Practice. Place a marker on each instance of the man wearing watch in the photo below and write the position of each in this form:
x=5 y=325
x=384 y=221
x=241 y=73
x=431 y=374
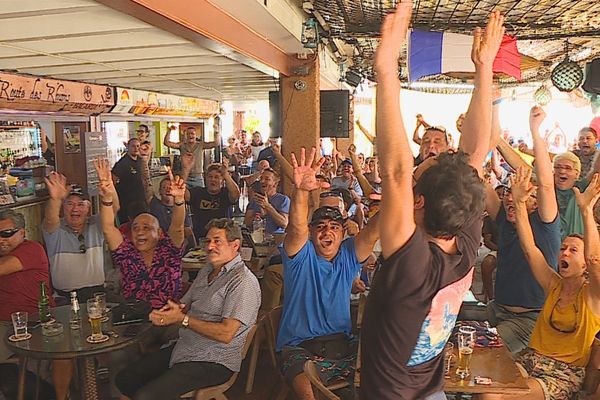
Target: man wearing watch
x=150 y=263
x=214 y=316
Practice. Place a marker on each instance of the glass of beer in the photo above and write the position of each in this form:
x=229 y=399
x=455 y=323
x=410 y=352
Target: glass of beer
x=466 y=344
x=94 y=309
x=101 y=299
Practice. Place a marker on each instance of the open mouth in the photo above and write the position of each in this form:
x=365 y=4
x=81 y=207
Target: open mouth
x=562 y=179
x=563 y=264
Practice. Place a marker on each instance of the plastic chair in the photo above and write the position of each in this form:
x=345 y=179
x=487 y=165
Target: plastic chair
x=262 y=333
x=320 y=391
x=218 y=392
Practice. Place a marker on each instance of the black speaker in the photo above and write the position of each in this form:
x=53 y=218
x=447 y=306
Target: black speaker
x=592 y=77
x=334 y=111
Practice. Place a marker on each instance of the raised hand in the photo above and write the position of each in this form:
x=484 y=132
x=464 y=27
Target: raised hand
x=521 y=185
x=224 y=168
x=187 y=161
x=352 y=150
x=393 y=36
x=305 y=173
x=57 y=186
x=105 y=183
x=486 y=44
x=276 y=148
x=177 y=187
x=590 y=196
x=537 y=115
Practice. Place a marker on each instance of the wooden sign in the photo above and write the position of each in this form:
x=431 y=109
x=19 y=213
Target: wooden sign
x=31 y=93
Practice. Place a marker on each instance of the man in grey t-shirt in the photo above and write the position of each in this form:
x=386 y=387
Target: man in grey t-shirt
x=214 y=316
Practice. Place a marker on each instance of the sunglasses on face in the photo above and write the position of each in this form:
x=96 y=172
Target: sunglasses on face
x=82 y=248
x=5 y=234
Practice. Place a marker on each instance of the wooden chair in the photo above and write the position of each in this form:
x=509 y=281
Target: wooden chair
x=218 y=392
x=262 y=334
x=320 y=391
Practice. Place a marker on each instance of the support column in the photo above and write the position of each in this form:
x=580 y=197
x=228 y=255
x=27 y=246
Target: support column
x=300 y=116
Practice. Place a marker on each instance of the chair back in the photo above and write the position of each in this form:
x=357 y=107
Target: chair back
x=320 y=391
x=273 y=318
x=249 y=339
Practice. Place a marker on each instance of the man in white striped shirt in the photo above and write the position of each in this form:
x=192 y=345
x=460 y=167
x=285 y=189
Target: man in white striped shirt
x=214 y=316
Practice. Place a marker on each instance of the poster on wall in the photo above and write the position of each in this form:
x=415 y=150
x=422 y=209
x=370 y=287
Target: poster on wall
x=95 y=148
x=72 y=139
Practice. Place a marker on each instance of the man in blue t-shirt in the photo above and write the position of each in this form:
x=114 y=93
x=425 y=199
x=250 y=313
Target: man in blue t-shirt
x=319 y=267
x=519 y=297
x=270 y=205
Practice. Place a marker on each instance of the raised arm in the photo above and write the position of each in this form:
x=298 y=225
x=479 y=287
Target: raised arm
x=477 y=125
x=233 y=191
x=366 y=238
x=521 y=190
x=58 y=191
x=394 y=151
x=365 y=132
x=107 y=193
x=591 y=238
x=305 y=180
x=546 y=196
x=286 y=167
x=360 y=176
x=510 y=155
x=167 y=142
x=176 y=229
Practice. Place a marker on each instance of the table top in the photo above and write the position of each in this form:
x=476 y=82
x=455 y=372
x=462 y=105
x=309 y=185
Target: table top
x=72 y=343
x=495 y=363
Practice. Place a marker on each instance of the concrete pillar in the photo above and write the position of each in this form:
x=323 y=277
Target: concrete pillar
x=299 y=107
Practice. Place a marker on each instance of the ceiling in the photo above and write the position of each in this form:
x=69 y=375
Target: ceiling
x=85 y=41
x=543 y=27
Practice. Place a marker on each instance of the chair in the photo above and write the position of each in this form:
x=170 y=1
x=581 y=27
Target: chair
x=319 y=389
x=218 y=392
x=262 y=333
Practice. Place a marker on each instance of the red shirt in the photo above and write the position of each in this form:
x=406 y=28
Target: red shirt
x=20 y=291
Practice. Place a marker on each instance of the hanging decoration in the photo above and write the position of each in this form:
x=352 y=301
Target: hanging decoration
x=542 y=96
x=567 y=75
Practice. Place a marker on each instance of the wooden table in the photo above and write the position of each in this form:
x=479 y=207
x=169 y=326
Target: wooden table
x=71 y=344
x=495 y=363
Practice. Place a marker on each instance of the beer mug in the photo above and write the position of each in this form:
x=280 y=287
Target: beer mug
x=95 y=309
x=466 y=344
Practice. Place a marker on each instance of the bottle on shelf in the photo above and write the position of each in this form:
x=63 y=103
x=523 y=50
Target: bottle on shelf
x=44 y=305
x=75 y=320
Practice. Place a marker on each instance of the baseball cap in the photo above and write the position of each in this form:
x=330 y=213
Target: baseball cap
x=327 y=212
x=347 y=161
x=78 y=191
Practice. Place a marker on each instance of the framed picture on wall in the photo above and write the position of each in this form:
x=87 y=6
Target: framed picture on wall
x=72 y=139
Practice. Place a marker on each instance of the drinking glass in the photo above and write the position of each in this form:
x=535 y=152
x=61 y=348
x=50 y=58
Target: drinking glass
x=448 y=354
x=101 y=299
x=94 y=310
x=19 y=320
x=466 y=344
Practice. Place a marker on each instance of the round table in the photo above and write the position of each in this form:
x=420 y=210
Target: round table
x=72 y=344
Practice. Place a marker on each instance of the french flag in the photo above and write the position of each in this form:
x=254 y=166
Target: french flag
x=432 y=53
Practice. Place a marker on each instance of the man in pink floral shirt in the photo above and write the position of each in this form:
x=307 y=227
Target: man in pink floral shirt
x=150 y=262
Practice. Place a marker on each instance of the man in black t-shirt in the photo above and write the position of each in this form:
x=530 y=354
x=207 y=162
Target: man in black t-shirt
x=213 y=201
x=127 y=177
x=429 y=232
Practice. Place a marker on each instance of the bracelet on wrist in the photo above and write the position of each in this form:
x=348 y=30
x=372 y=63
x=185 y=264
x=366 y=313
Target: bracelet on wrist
x=106 y=203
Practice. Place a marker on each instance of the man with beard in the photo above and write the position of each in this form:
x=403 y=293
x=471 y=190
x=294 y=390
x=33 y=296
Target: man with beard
x=319 y=268
x=587 y=141
x=518 y=296
x=75 y=243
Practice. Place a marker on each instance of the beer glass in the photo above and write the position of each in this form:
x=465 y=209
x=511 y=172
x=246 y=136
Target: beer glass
x=466 y=344
x=94 y=310
x=19 y=320
x=101 y=299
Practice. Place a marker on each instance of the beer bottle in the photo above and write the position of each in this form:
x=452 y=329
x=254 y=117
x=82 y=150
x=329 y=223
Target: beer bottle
x=75 y=320
x=44 y=304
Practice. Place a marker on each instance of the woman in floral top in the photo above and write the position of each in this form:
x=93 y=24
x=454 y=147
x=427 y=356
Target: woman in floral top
x=150 y=262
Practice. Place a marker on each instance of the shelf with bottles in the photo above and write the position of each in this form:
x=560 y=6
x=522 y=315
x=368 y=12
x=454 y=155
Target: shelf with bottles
x=19 y=141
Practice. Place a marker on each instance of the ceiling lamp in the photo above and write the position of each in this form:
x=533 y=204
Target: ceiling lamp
x=542 y=96
x=310 y=34
x=567 y=75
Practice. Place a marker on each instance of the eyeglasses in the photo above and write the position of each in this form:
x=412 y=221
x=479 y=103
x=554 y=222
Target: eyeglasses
x=553 y=326
x=5 y=234
x=82 y=248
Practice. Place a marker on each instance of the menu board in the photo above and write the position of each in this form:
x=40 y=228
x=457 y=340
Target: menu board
x=95 y=146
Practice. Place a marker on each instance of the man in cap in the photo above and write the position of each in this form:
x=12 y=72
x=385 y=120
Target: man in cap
x=75 y=243
x=346 y=179
x=319 y=268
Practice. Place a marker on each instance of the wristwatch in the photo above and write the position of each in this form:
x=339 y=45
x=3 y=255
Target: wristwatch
x=186 y=321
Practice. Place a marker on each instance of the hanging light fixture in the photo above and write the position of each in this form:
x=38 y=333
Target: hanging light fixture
x=310 y=34
x=567 y=75
x=542 y=96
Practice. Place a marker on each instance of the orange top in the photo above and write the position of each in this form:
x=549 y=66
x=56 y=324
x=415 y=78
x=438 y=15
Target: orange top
x=565 y=334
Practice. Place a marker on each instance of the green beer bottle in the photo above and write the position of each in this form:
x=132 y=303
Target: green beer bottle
x=44 y=304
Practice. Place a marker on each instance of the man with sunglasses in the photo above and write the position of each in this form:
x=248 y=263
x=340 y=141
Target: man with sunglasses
x=75 y=243
x=319 y=268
